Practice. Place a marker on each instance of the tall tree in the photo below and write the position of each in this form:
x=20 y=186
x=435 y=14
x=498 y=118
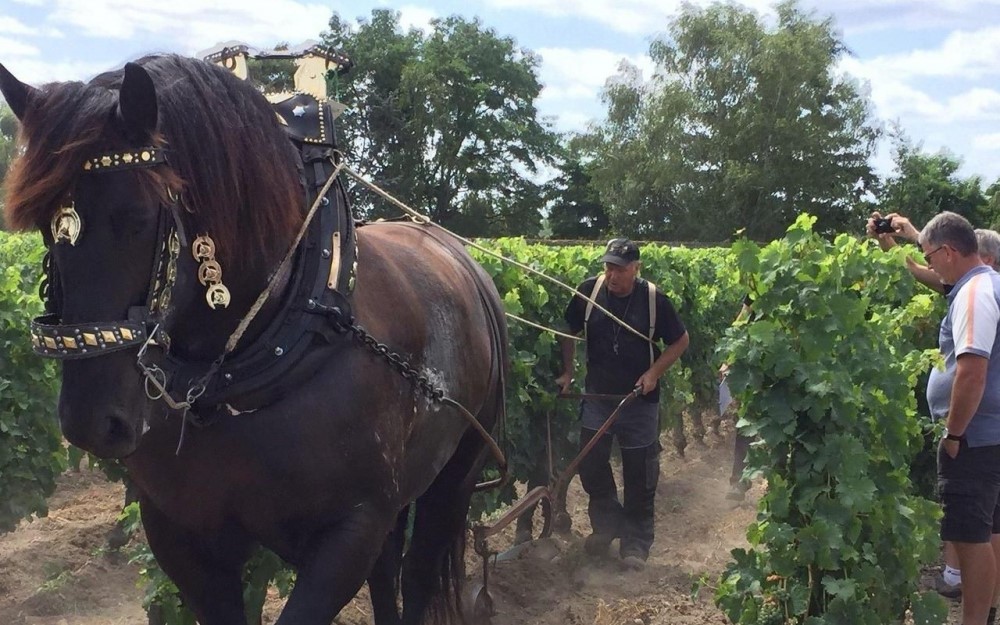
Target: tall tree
x=922 y=185
x=742 y=126
x=445 y=121
x=8 y=145
x=992 y=210
x=575 y=208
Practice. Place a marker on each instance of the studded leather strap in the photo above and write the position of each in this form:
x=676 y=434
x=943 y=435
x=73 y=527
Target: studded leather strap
x=83 y=340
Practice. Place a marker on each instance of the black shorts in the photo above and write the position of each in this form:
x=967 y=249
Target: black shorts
x=969 y=489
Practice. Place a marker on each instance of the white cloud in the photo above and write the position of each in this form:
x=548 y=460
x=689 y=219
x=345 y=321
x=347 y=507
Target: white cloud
x=868 y=16
x=581 y=72
x=193 y=23
x=572 y=120
x=411 y=16
x=573 y=78
x=15 y=48
x=633 y=17
x=13 y=26
x=36 y=71
x=963 y=54
x=988 y=142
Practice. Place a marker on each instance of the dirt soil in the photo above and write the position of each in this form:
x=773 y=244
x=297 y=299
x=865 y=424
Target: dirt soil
x=58 y=570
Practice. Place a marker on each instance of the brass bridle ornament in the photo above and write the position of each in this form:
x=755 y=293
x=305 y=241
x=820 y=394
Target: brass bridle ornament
x=53 y=339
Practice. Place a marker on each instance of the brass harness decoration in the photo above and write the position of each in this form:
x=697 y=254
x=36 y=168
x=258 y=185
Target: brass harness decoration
x=116 y=161
x=66 y=225
x=210 y=272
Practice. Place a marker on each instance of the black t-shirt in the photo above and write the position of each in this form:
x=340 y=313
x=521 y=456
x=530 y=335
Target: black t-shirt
x=616 y=373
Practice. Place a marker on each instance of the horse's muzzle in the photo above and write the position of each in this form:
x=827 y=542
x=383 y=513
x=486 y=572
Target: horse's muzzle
x=111 y=435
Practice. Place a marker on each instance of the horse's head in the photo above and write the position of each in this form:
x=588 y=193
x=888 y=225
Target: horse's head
x=162 y=192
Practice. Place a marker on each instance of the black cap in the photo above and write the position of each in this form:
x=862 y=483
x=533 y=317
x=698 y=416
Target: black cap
x=620 y=252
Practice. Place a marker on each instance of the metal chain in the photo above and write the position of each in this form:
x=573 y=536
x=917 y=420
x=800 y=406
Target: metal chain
x=397 y=362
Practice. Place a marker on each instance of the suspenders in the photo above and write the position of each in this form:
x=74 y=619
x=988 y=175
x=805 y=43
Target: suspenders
x=652 y=310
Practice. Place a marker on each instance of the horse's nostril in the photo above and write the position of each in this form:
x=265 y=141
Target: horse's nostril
x=118 y=429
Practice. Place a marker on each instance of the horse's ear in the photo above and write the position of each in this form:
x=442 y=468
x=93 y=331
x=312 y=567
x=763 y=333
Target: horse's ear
x=15 y=92
x=137 y=102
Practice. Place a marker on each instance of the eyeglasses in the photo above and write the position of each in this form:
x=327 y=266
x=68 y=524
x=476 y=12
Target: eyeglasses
x=927 y=256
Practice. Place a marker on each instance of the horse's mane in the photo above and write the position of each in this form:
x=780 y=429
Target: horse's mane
x=225 y=149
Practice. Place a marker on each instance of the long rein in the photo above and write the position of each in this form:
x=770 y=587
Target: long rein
x=423 y=219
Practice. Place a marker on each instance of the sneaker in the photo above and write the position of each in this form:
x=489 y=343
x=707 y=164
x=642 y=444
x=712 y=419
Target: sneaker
x=947 y=590
x=597 y=544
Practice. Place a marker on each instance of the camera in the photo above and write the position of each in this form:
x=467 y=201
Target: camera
x=883 y=226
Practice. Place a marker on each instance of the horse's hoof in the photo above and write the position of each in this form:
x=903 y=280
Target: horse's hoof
x=478 y=605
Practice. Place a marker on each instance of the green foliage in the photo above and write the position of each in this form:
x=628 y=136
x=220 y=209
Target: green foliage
x=8 y=147
x=446 y=120
x=743 y=125
x=263 y=570
x=273 y=75
x=31 y=450
x=699 y=282
x=924 y=184
x=576 y=211
x=824 y=379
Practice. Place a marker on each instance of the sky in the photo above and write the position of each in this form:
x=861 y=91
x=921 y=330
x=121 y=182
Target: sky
x=931 y=66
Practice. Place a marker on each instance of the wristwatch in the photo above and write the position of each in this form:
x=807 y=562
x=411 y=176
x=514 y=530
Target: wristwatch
x=948 y=436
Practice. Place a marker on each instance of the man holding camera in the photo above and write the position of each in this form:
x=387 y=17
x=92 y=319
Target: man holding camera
x=966 y=397
x=621 y=358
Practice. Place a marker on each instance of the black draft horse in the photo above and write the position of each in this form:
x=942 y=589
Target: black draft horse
x=324 y=475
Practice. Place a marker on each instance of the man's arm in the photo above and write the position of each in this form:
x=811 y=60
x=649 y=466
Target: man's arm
x=966 y=392
x=568 y=347
x=924 y=275
x=669 y=356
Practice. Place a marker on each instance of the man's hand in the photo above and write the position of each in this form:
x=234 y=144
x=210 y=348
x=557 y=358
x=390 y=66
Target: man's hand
x=950 y=447
x=885 y=240
x=564 y=381
x=903 y=227
x=646 y=382
x=723 y=371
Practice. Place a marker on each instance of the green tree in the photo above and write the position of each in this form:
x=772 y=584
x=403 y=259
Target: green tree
x=8 y=146
x=924 y=184
x=742 y=126
x=992 y=210
x=273 y=75
x=575 y=209
x=445 y=121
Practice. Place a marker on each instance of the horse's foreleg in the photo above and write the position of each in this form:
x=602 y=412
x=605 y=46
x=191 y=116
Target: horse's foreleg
x=383 y=581
x=333 y=565
x=207 y=572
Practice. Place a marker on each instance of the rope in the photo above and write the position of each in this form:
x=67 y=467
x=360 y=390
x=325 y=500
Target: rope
x=422 y=219
x=541 y=327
